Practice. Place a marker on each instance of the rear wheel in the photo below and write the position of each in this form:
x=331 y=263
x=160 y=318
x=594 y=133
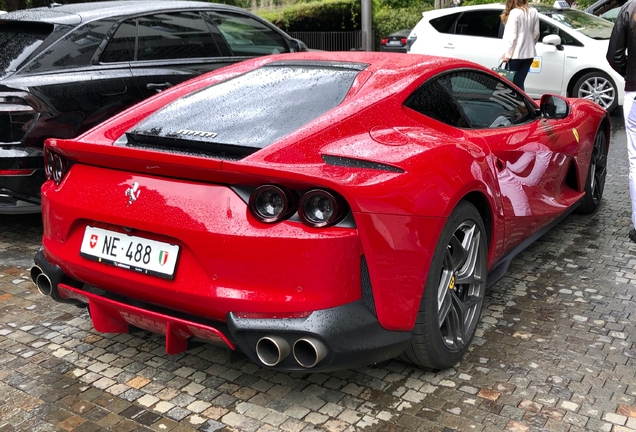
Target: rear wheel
x=595 y=183
x=599 y=88
x=454 y=292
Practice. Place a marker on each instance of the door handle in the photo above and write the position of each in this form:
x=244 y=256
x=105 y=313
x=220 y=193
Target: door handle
x=158 y=87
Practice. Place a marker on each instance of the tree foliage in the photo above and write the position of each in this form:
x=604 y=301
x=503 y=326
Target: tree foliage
x=330 y=15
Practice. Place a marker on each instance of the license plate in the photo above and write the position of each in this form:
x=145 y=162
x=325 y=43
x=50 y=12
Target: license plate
x=130 y=252
x=394 y=43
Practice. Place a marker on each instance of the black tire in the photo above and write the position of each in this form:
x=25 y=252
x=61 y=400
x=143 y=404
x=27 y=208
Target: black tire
x=598 y=87
x=454 y=289
x=595 y=183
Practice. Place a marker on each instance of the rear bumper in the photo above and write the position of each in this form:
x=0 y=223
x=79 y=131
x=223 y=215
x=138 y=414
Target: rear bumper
x=347 y=336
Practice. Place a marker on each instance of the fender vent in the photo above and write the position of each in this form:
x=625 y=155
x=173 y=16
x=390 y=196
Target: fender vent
x=365 y=283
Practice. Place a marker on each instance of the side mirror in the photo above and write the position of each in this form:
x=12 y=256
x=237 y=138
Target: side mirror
x=298 y=46
x=554 y=107
x=552 y=39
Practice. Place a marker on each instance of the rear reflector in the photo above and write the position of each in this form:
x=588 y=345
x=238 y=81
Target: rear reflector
x=16 y=172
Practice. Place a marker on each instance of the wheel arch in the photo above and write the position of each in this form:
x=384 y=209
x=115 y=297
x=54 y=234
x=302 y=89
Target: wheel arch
x=579 y=74
x=482 y=205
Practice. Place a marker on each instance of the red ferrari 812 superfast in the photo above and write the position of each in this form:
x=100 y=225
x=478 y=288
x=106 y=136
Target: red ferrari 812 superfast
x=316 y=210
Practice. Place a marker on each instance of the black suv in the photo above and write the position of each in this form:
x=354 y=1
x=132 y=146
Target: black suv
x=64 y=69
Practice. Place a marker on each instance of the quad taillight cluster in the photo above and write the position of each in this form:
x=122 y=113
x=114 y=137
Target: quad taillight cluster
x=55 y=166
x=317 y=207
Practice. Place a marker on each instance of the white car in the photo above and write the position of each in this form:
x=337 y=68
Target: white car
x=570 y=57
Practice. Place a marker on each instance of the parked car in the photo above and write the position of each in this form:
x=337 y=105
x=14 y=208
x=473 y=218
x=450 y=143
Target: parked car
x=318 y=210
x=570 y=57
x=395 y=42
x=66 y=68
x=607 y=9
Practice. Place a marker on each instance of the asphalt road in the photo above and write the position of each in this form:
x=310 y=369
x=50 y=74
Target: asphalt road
x=555 y=351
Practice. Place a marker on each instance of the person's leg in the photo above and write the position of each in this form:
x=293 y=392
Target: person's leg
x=521 y=67
x=629 y=113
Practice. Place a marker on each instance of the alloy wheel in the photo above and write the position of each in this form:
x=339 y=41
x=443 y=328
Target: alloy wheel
x=462 y=286
x=598 y=168
x=599 y=90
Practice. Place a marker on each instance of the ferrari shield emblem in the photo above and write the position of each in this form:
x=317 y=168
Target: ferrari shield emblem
x=163 y=257
x=576 y=134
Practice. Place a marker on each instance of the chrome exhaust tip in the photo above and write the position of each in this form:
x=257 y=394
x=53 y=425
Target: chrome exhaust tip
x=44 y=284
x=309 y=352
x=35 y=272
x=271 y=350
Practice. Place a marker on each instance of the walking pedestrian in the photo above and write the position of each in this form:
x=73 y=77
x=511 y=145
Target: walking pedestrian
x=620 y=56
x=521 y=33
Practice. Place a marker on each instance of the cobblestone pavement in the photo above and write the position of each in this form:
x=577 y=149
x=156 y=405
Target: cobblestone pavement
x=555 y=351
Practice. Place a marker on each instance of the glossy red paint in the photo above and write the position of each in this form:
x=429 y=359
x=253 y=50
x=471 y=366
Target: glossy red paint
x=231 y=262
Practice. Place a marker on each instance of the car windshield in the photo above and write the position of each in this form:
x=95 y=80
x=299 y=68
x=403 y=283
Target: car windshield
x=590 y=25
x=18 y=41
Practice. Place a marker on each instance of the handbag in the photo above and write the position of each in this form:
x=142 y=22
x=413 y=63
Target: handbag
x=504 y=71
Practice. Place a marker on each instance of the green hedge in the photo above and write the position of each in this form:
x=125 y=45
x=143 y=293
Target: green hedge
x=329 y=15
x=387 y=20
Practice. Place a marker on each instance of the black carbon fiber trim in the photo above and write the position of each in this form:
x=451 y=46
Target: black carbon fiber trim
x=365 y=284
x=359 y=163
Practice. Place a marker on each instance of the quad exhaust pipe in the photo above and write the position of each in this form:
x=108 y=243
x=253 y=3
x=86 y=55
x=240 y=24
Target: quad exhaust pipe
x=271 y=350
x=47 y=277
x=41 y=281
x=308 y=352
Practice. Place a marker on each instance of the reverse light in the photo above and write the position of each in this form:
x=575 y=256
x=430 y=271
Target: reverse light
x=319 y=208
x=270 y=203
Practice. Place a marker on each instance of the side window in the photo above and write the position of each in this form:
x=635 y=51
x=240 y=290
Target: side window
x=121 y=47
x=77 y=48
x=435 y=101
x=487 y=101
x=546 y=29
x=483 y=23
x=445 y=24
x=247 y=36
x=170 y=36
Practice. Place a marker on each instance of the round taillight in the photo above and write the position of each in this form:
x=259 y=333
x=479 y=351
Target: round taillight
x=270 y=204
x=48 y=164
x=58 y=168
x=319 y=208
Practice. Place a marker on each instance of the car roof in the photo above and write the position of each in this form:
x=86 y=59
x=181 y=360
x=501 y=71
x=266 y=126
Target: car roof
x=411 y=65
x=77 y=13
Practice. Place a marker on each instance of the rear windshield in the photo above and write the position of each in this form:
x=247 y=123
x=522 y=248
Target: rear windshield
x=250 y=111
x=18 y=40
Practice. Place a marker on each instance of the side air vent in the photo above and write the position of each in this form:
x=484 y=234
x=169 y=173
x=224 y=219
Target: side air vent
x=358 y=163
x=185 y=146
x=365 y=283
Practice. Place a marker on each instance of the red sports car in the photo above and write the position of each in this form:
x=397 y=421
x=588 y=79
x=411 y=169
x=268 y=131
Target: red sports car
x=316 y=211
